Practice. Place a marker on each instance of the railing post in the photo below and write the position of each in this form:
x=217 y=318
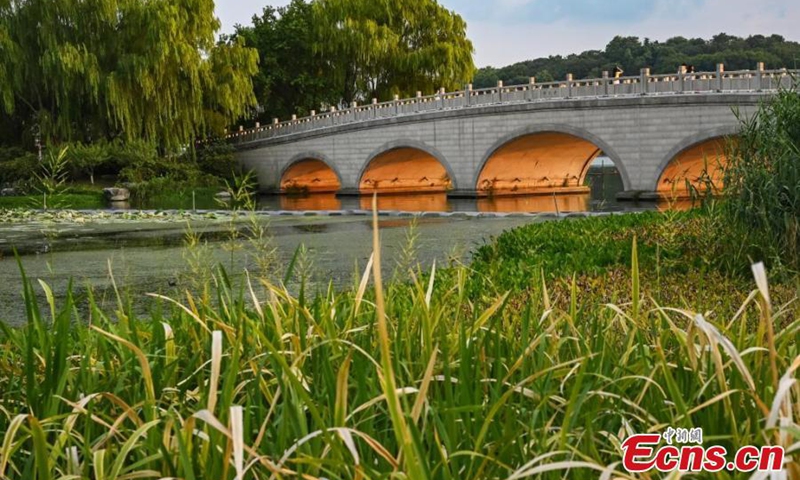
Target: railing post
x=531 y=87
x=644 y=81
x=374 y=108
x=569 y=85
x=759 y=76
x=720 y=76
x=442 y=92
x=682 y=78
x=397 y=105
x=332 y=112
x=499 y=91
x=468 y=95
x=606 y=76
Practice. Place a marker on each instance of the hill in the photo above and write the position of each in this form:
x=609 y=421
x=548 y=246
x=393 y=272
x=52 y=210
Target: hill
x=632 y=54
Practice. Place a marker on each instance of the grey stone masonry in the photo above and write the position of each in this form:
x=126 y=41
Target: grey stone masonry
x=640 y=122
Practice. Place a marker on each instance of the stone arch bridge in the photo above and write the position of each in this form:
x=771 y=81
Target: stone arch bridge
x=660 y=131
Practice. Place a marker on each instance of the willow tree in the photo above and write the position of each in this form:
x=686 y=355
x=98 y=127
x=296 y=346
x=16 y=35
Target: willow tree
x=135 y=69
x=382 y=48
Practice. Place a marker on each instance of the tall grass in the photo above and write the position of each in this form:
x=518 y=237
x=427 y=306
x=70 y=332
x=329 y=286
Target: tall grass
x=413 y=379
x=762 y=181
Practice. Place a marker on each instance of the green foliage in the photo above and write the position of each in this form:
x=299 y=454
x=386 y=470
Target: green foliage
x=292 y=77
x=131 y=69
x=333 y=52
x=53 y=172
x=676 y=243
x=17 y=167
x=87 y=158
x=378 y=49
x=762 y=181
x=632 y=54
x=217 y=158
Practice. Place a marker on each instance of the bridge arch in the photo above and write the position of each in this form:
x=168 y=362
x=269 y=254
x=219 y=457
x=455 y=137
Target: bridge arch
x=686 y=160
x=555 y=133
x=433 y=172
x=310 y=172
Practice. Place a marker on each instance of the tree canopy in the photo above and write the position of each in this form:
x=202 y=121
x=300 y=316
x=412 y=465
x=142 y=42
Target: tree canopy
x=292 y=77
x=133 y=69
x=632 y=54
x=331 y=52
x=379 y=49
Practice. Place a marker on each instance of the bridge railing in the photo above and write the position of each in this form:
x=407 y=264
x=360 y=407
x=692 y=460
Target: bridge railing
x=681 y=83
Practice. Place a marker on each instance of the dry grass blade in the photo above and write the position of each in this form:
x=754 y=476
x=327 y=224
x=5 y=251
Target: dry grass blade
x=760 y=275
x=416 y=411
x=362 y=286
x=716 y=337
x=8 y=442
x=237 y=437
x=216 y=365
x=429 y=292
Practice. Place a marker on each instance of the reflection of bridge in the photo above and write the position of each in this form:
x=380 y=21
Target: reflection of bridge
x=660 y=130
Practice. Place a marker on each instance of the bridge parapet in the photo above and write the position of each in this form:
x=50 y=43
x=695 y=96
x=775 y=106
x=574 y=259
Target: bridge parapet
x=644 y=84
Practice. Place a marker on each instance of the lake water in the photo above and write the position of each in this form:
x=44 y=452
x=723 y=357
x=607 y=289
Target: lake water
x=150 y=255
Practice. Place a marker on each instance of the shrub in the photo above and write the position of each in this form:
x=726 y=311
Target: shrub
x=217 y=158
x=17 y=167
x=91 y=157
x=762 y=181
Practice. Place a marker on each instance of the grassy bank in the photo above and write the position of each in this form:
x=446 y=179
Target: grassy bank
x=77 y=201
x=508 y=369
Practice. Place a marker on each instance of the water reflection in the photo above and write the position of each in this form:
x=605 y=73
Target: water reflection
x=603 y=180
x=423 y=202
x=575 y=202
x=313 y=201
x=439 y=202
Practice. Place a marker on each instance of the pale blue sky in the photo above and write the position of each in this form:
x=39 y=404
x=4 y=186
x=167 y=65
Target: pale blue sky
x=507 y=31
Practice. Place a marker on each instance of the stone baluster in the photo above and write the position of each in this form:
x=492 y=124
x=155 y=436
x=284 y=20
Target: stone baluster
x=759 y=76
x=500 y=91
x=397 y=104
x=720 y=77
x=606 y=76
x=644 y=81
x=468 y=95
x=531 y=88
x=569 y=85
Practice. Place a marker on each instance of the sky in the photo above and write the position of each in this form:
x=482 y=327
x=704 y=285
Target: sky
x=509 y=31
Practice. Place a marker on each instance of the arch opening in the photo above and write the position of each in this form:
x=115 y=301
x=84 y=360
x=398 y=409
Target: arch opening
x=538 y=163
x=405 y=170
x=310 y=175
x=699 y=168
